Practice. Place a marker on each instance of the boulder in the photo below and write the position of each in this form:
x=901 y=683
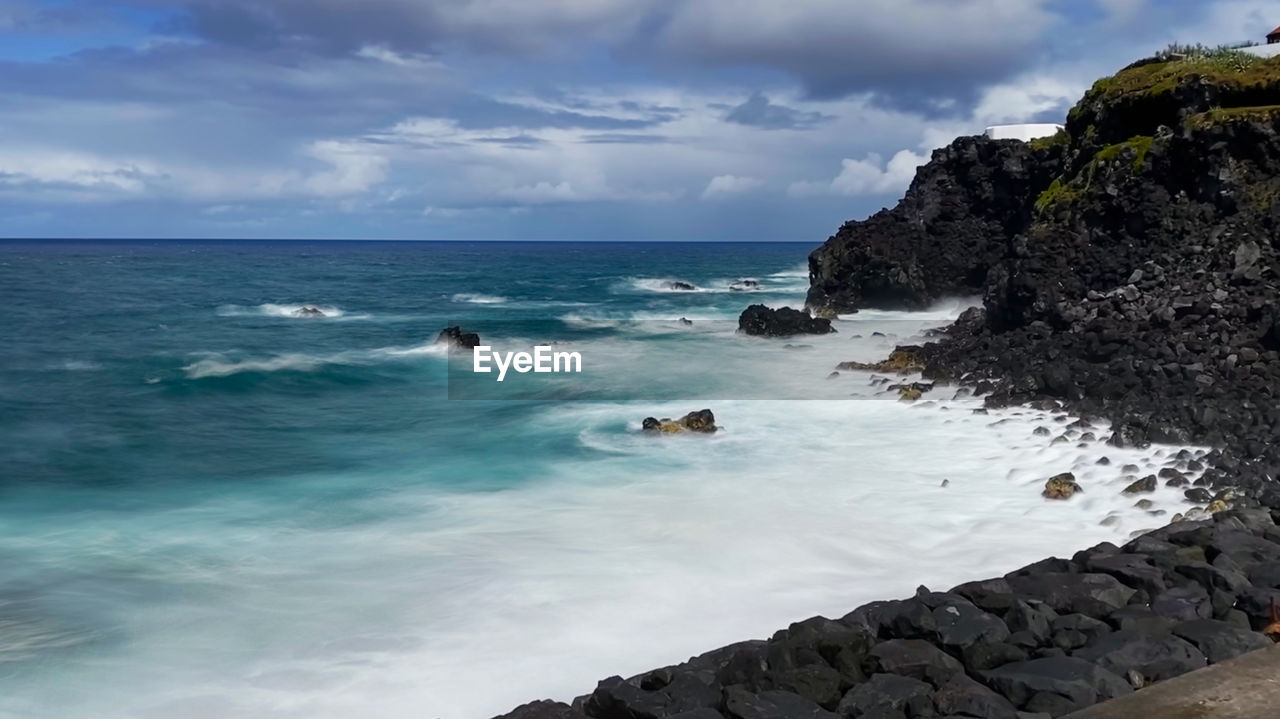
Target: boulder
x=913 y=658
x=961 y=625
x=701 y=422
x=1220 y=641
x=679 y=286
x=1152 y=659
x=761 y=321
x=656 y=695
x=1183 y=603
x=1057 y=685
x=742 y=704
x=1142 y=486
x=1090 y=594
x=455 y=337
x=963 y=696
x=1061 y=486
x=545 y=709
x=888 y=695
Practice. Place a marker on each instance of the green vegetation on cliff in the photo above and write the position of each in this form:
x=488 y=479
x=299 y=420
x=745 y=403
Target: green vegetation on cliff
x=1230 y=70
x=1140 y=145
x=1185 y=89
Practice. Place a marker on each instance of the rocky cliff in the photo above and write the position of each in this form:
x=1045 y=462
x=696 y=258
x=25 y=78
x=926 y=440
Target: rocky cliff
x=1127 y=266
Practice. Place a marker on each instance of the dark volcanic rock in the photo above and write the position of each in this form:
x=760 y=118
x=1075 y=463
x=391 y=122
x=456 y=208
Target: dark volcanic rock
x=742 y=704
x=762 y=321
x=913 y=658
x=455 y=337
x=1151 y=658
x=1127 y=267
x=961 y=625
x=544 y=710
x=652 y=697
x=1093 y=594
x=941 y=240
x=1220 y=641
x=1056 y=685
x=887 y=694
x=963 y=696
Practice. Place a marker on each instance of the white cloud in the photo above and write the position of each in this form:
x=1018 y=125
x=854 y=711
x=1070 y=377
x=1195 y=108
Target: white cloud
x=354 y=169
x=870 y=176
x=725 y=185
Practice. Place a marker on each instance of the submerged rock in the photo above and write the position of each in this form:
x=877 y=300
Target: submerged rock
x=679 y=286
x=761 y=321
x=903 y=360
x=455 y=337
x=702 y=421
x=1061 y=486
x=744 y=285
x=309 y=311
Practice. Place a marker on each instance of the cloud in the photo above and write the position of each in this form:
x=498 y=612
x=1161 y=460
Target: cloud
x=903 y=50
x=758 y=111
x=726 y=185
x=896 y=48
x=871 y=176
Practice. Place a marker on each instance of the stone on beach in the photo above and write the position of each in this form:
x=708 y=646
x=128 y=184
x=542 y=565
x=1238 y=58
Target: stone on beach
x=1061 y=486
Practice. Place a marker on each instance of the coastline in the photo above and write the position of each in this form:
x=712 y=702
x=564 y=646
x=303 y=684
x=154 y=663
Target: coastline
x=1128 y=272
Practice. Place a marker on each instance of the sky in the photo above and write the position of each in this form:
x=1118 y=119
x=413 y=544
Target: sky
x=529 y=119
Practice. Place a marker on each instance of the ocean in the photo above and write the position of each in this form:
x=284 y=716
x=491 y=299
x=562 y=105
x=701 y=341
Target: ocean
x=214 y=508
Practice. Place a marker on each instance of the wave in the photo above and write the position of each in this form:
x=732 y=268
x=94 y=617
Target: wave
x=663 y=285
x=779 y=283
x=291 y=311
x=478 y=299
x=79 y=366
x=220 y=365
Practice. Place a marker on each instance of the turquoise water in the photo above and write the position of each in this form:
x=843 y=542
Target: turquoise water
x=214 y=508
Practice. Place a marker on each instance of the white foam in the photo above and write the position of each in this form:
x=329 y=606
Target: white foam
x=478 y=299
x=222 y=365
x=635 y=553
x=290 y=311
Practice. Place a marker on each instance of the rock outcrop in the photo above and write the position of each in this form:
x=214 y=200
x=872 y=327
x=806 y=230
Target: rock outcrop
x=702 y=422
x=455 y=337
x=1128 y=266
x=763 y=321
x=309 y=311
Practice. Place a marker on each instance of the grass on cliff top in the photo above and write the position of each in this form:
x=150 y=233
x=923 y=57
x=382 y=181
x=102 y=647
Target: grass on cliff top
x=1221 y=115
x=1163 y=72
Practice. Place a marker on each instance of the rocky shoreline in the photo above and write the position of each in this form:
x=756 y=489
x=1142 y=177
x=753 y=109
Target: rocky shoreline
x=1128 y=270
x=1042 y=641
x=1127 y=266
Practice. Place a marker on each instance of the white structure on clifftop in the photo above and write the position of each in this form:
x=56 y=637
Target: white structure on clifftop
x=1026 y=133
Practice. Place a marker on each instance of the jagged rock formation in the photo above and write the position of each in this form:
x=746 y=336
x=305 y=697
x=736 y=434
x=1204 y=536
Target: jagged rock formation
x=1127 y=266
x=763 y=321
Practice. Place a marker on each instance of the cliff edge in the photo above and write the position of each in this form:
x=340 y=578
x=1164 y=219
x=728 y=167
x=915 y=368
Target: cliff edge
x=1127 y=265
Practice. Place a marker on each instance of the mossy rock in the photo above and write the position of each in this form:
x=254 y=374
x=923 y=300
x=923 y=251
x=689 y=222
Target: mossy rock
x=902 y=360
x=702 y=422
x=1061 y=486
